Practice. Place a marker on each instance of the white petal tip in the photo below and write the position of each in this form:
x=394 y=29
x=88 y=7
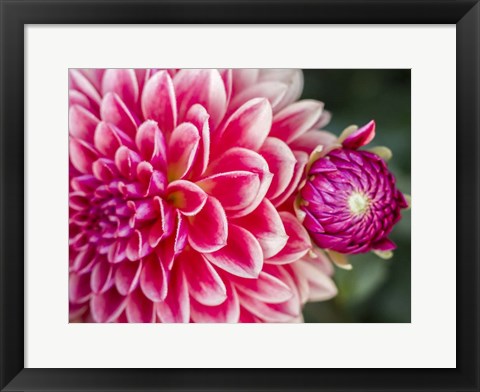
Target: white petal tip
x=383 y=152
x=340 y=260
x=346 y=133
x=385 y=255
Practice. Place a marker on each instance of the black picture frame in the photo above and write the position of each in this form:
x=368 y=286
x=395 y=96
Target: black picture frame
x=15 y=14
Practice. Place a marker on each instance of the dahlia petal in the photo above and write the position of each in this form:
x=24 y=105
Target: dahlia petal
x=107 y=306
x=127 y=161
x=311 y=223
x=166 y=252
x=176 y=306
x=281 y=163
x=292 y=77
x=94 y=76
x=159 y=102
x=321 y=286
x=164 y=225
x=243 y=78
x=75 y=97
x=327 y=241
x=204 y=283
x=153 y=181
x=360 y=137
x=271 y=313
x=266 y=288
x=298 y=243
x=142 y=75
x=323 y=120
x=267 y=227
x=247 y=317
x=181 y=234
x=79 y=287
x=203 y=86
x=384 y=245
x=102 y=277
x=78 y=201
x=208 y=230
x=76 y=312
x=385 y=255
x=83 y=260
x=241 y=159
x=139 y=308
x=298 y=171
x=138 y=246
x=296 y=119
x=227 y=77
x=312 y=139
x=79 y=82
x=383 y=152
x=227 y=312
x=114 y=110
x=82 y=123
x=123 y=82
x=321 y=261
x=153 y=279
x=86 y=183
x=108 y=139
x=242 y=255
x=104 y=169
x=340 y=260
x=82 y=155
x=248 y=126
x=235 y=190
x=188 y=197
x=142 y=210
x=117 y=251
x=151 y=144
x=127 y=276
x=198 y=116
x=301 y=283
x=182 y=149
x=322 y=166
x=274 y=91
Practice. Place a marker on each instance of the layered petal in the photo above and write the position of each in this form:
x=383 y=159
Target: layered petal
x=248 y=127
x=204 y=283
x=153 y=279
x=188 y=197
x=241 y=256
x=82 y=123
x=82 y=155
x=266 y=225
x=114 y=110
x=182 y=150
x=296 y=119
x=107 y=306
x=139 y=308
x=159 y=101
x=281 y=162
x=208 y=230
x=123 y=82
x=202 y=86
x=176 y=306
x=235 y=190
x=227 y=312
x=298 y=243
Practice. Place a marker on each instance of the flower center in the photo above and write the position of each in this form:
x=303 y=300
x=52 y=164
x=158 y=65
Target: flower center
x=358 y=203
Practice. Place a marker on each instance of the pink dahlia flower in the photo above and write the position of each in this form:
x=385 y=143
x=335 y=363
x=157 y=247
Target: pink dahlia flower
x=181 y=189
x=349 y=202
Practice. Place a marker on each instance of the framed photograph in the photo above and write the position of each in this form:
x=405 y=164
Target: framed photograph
x=239 y=195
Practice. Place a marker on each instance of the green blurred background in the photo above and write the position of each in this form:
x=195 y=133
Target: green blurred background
x=375 y=290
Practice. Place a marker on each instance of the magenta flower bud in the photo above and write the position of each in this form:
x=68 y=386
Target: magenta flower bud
x=350 y=201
